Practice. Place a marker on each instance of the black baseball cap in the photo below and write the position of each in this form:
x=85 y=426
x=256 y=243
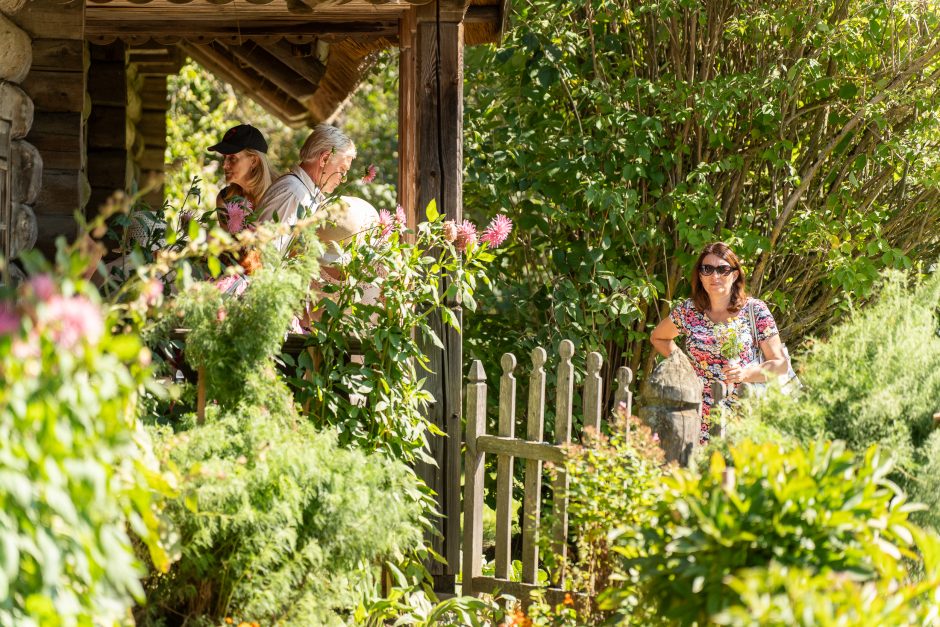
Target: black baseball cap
x=239 y=138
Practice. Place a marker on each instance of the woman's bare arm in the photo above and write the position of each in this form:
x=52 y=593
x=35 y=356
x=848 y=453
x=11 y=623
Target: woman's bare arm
x=663 y=335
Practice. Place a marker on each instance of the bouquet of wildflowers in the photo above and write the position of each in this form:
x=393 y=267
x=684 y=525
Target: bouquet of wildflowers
x=731 y=344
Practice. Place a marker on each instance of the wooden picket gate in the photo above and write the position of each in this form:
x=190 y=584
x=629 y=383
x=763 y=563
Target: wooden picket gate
x=535 y=452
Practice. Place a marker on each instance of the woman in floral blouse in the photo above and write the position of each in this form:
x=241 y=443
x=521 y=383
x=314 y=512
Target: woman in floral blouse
x=718 y=310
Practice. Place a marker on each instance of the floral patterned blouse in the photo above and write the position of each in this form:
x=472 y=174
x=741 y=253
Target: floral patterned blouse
x=704 y=348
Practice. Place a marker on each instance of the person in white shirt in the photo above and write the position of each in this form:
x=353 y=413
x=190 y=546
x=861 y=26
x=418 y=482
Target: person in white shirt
x=325 y=159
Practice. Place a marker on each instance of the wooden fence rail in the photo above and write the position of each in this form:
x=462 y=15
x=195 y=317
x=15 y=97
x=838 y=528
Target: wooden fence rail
x=534 y=451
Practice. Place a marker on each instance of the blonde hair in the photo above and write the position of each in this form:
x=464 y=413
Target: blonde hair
x=260 y=176
x=326 y=138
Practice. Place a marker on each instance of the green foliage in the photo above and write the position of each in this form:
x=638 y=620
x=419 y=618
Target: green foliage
x=621 y=136
x=230 y=338
x=78 y=481
x=278 y=524
x=875 y=381
x=380 y=403
x=612 y=482
x=820 y=509
x=792 y=596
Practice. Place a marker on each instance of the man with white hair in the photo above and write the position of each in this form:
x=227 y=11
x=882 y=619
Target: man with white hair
x=325 y=159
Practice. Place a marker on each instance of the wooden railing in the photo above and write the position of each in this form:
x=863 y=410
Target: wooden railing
x=534 y=451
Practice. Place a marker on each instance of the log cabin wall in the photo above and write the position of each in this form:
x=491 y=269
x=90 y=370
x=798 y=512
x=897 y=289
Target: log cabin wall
x=56 y=85
x=20 y=165
x=107 y=129
x=152 y=64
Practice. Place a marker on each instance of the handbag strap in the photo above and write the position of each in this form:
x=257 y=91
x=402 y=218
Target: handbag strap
x=758 y=353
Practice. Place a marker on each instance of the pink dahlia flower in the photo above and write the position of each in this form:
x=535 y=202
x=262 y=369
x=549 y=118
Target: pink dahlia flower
x=371 y=171
x=400 y=218
x=235 y=213
x=9 y=319
x=43 y=286
x=71 y=320
x=497 y=231
x=386 y=223
x=466 y=236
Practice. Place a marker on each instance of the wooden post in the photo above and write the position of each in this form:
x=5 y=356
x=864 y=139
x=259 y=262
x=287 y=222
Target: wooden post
x=201 y=395
x=504 y=464
x=593 y=392
x=473 y=479
x=564 y=393
x=532 y=503
x=625 y=396
x=438 y=127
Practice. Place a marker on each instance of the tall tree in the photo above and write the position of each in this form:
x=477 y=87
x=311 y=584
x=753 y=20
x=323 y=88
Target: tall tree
x=622 y=135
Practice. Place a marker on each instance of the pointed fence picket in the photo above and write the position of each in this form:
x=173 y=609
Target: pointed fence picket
x=534 y=451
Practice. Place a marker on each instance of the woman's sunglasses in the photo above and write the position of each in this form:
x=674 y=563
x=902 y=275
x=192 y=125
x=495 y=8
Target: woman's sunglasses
x=707 y=269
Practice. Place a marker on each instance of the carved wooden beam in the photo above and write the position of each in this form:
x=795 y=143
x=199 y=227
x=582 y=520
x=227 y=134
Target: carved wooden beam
x=271 y=68
x=262 y=91
x=307 y=66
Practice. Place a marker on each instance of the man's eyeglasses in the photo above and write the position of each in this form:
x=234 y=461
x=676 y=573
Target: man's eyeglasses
x=707 y=269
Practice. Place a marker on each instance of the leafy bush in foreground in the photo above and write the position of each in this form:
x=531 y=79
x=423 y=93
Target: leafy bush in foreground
x=876 y=380
x=76 y=476
x=278 y=523
x=820 y=509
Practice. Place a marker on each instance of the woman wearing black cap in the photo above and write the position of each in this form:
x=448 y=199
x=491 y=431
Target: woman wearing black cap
x=247 y=170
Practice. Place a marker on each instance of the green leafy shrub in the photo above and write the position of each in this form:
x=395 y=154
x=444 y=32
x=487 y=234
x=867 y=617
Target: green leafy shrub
x=380 y=403
x=278 y=524
x=820 y=508
x=791 y=596
x=875 y=380
x=77 y=479
x=613 y=482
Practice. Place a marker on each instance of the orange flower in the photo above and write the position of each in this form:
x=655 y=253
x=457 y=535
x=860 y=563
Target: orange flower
x=228 y=620
x=251 y=261
x=568 y=600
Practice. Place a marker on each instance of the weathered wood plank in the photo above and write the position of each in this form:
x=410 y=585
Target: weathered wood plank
x=62 y=55
x=106 y=128
x=522 y=449
x=407 y=119
x=473 y=478
x=272 y=69
x=593 y=392
x=623 y=397
x=504 y=465
x=442 y=126
x=564 y=393
x=523 y=591
x=52 y=19
x=531 y=507
x=308 y=66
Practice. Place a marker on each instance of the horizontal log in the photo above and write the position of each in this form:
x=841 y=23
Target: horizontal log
x=11 y=6
x=59 y=55
x=107 y=168
x=52 y=226
x=153 y=158
x=519 y=448
x=106 y=83
x=16 y=105
x=60 y=192
x=152 y=125
x=52 y=19
x=16 y=51
x=27 y=172
x=56 y=91
x=106 y=128
x=58 y=138
x=522 y=591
